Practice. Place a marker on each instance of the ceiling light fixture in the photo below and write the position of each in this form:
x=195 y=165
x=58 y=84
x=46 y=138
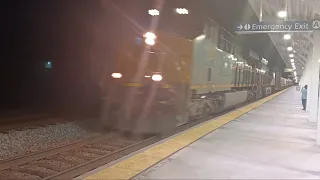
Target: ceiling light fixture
x=282 y=14
x=287 y=36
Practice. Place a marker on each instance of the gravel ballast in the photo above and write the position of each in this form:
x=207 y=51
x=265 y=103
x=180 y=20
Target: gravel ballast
x=17 y=143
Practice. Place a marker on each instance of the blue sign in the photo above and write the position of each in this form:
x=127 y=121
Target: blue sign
x=278 y=26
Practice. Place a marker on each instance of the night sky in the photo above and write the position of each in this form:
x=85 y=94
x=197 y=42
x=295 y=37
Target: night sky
x=79 y=37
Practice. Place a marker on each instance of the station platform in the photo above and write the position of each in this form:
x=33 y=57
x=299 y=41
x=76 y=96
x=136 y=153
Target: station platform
x=268 y=139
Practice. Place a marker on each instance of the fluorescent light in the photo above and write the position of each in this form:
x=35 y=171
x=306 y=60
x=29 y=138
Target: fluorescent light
x=291 y=55
x=289 y=48
x=182 y=11
x=282 y=14
x=292 y=60
x=153 y=12
x=287 y=36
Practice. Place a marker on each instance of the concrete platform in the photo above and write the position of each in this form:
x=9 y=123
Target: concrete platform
x=273 y=141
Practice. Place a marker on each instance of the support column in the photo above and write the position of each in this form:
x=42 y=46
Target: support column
x=316 y=57
x=308 y=79
x=303 y=80
x=314 y=89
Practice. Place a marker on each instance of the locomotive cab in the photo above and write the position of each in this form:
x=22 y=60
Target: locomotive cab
x=152 y=70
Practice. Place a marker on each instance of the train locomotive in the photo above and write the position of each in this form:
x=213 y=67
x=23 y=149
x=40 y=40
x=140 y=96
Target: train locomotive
x=162 y=80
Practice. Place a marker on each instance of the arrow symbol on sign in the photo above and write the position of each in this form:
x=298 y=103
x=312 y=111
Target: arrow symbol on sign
x=240 y=27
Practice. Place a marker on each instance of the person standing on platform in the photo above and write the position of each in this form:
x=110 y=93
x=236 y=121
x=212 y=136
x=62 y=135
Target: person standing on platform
x=304 y=92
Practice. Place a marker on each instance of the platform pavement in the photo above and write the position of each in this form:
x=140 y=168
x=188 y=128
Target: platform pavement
x=268 y=139
x=271 y=142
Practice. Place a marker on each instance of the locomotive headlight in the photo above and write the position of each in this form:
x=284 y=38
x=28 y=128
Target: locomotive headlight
x=116 y=75
x=156 y=77
x=150 y=35
x=150 y=38
x=150 y=42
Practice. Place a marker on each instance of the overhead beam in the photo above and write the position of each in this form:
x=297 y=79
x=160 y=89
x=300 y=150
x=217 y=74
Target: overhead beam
x=297 y=12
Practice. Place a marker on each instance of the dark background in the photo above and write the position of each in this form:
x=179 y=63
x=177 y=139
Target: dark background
x=80 y=38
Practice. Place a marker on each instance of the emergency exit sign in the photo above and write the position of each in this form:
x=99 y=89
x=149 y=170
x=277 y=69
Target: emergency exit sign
x=277 y=26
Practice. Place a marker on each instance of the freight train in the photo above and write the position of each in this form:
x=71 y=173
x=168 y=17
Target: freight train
x=162 y=80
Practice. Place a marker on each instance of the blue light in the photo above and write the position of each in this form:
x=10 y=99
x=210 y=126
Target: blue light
x=138 y=40
x=48 y=65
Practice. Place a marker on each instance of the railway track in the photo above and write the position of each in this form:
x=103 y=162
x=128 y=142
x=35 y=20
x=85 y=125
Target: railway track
x=69 y=161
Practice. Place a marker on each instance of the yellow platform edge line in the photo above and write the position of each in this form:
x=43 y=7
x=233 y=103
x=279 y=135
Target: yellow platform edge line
x=136 y=164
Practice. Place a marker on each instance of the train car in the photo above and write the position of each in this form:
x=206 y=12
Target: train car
x=285 y=83
x=221 y=80
x=162 y=80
